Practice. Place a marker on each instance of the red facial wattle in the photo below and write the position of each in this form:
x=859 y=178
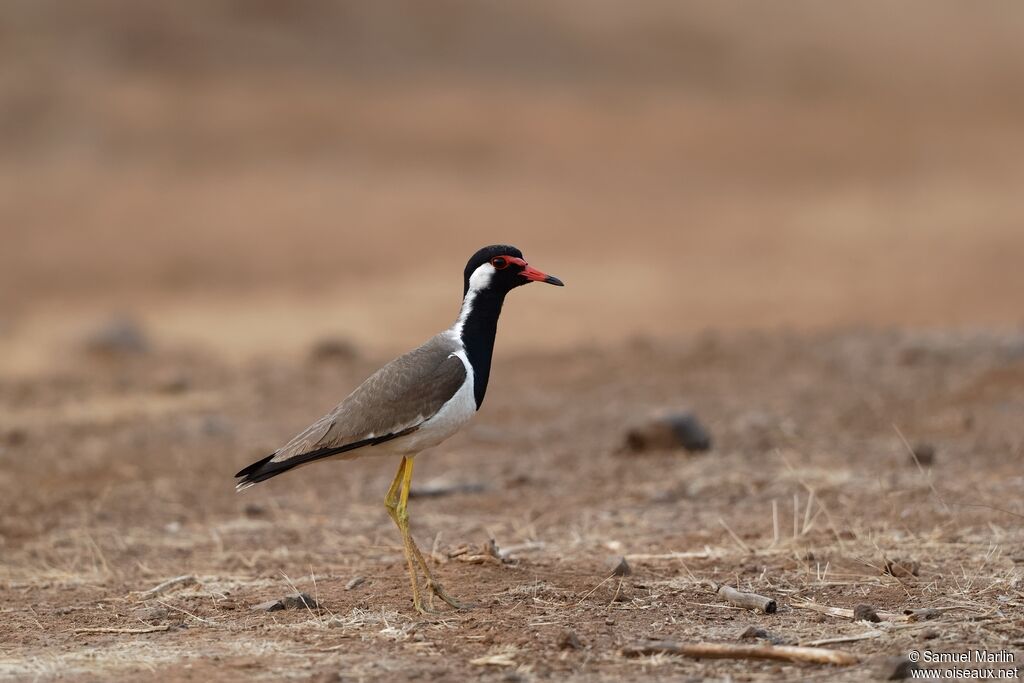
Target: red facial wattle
x=531 y=273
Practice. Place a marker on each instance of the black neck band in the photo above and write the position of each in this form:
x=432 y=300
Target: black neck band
x=479 y=328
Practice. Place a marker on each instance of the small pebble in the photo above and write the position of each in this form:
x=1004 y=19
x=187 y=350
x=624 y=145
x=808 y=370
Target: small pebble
x=754 y=633
x=15 y=436
x=895 y=668
x=293 y=601
x=924 y=453
x=117 y=337
x=333 y=349
x=253 y=510
x=668 y=431
x=923 y=614
x=758 y=633
x=300 y=601
x=173 y=383
x=269 y=606
x=866 y=613
x=568 y=640
x=902 y=569
x=690 y=432
x=150 y=613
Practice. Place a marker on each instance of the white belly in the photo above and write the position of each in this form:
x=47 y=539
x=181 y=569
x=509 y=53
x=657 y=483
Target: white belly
x=450 y=419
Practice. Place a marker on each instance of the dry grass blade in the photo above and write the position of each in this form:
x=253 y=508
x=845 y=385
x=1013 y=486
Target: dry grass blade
x=187 y=613
x=314 y=615
x=176 y=582
x=776 y=534
x=927 y=476
x=739 y=541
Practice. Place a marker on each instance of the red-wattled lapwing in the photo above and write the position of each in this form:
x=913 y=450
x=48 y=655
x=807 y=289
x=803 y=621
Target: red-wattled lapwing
x=417 y=400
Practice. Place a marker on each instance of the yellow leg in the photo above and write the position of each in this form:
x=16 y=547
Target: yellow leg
x=435 y=586
x=397 y=502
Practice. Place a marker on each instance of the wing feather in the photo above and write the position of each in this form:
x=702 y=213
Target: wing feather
x=392 y=402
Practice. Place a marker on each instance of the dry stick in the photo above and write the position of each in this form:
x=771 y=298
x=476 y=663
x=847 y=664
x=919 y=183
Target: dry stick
x=178 y=581
x=867 y=635
x=783 y=653
x=151 y=629
x=744 y=600
x=844 y=613
x=716 y=606
x=508 y=551
x=689 y=555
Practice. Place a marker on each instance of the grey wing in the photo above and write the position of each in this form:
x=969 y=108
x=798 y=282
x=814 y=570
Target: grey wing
x=395 y=400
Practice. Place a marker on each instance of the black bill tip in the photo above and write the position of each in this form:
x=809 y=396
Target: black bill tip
x=552 y=280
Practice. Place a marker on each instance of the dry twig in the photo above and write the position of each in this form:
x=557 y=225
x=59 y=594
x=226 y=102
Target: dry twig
x=744 y=600
x=783 y=653
x=843 y=612
x=151 y=629
x=867 y=635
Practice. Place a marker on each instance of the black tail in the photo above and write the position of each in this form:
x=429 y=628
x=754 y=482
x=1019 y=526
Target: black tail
x=250 y=473
x=264 y=469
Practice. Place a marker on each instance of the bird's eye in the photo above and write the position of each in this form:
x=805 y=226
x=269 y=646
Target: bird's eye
x=499 y=262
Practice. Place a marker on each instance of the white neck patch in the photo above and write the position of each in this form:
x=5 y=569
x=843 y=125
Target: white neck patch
x=479 y=280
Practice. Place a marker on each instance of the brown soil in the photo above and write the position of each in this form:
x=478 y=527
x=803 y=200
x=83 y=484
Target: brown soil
x=804 y=224
x=116 y=479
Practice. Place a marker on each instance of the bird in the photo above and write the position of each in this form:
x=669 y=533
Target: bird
x=416 y=401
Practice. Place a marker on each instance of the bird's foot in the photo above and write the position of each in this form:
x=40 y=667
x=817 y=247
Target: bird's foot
x=438 y=590
x=425 y=610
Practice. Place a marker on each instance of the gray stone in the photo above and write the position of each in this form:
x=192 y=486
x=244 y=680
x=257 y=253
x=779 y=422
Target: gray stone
x=117 y=337
x=667 y=431
x=866 y=613
x=619 y=566
x=568 y=640
x=293 y=601
x=269 y=606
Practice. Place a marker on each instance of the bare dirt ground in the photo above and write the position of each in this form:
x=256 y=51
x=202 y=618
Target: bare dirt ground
x=801 y=223
x=118 y=478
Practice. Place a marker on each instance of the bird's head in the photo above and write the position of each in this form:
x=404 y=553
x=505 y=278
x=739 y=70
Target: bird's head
x=501 y=268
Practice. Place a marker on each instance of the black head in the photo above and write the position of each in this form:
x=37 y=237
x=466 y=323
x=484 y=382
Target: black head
x=501 y=268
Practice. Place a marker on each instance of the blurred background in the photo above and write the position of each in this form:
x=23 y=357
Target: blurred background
x=797 y=225
x=253 y=175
